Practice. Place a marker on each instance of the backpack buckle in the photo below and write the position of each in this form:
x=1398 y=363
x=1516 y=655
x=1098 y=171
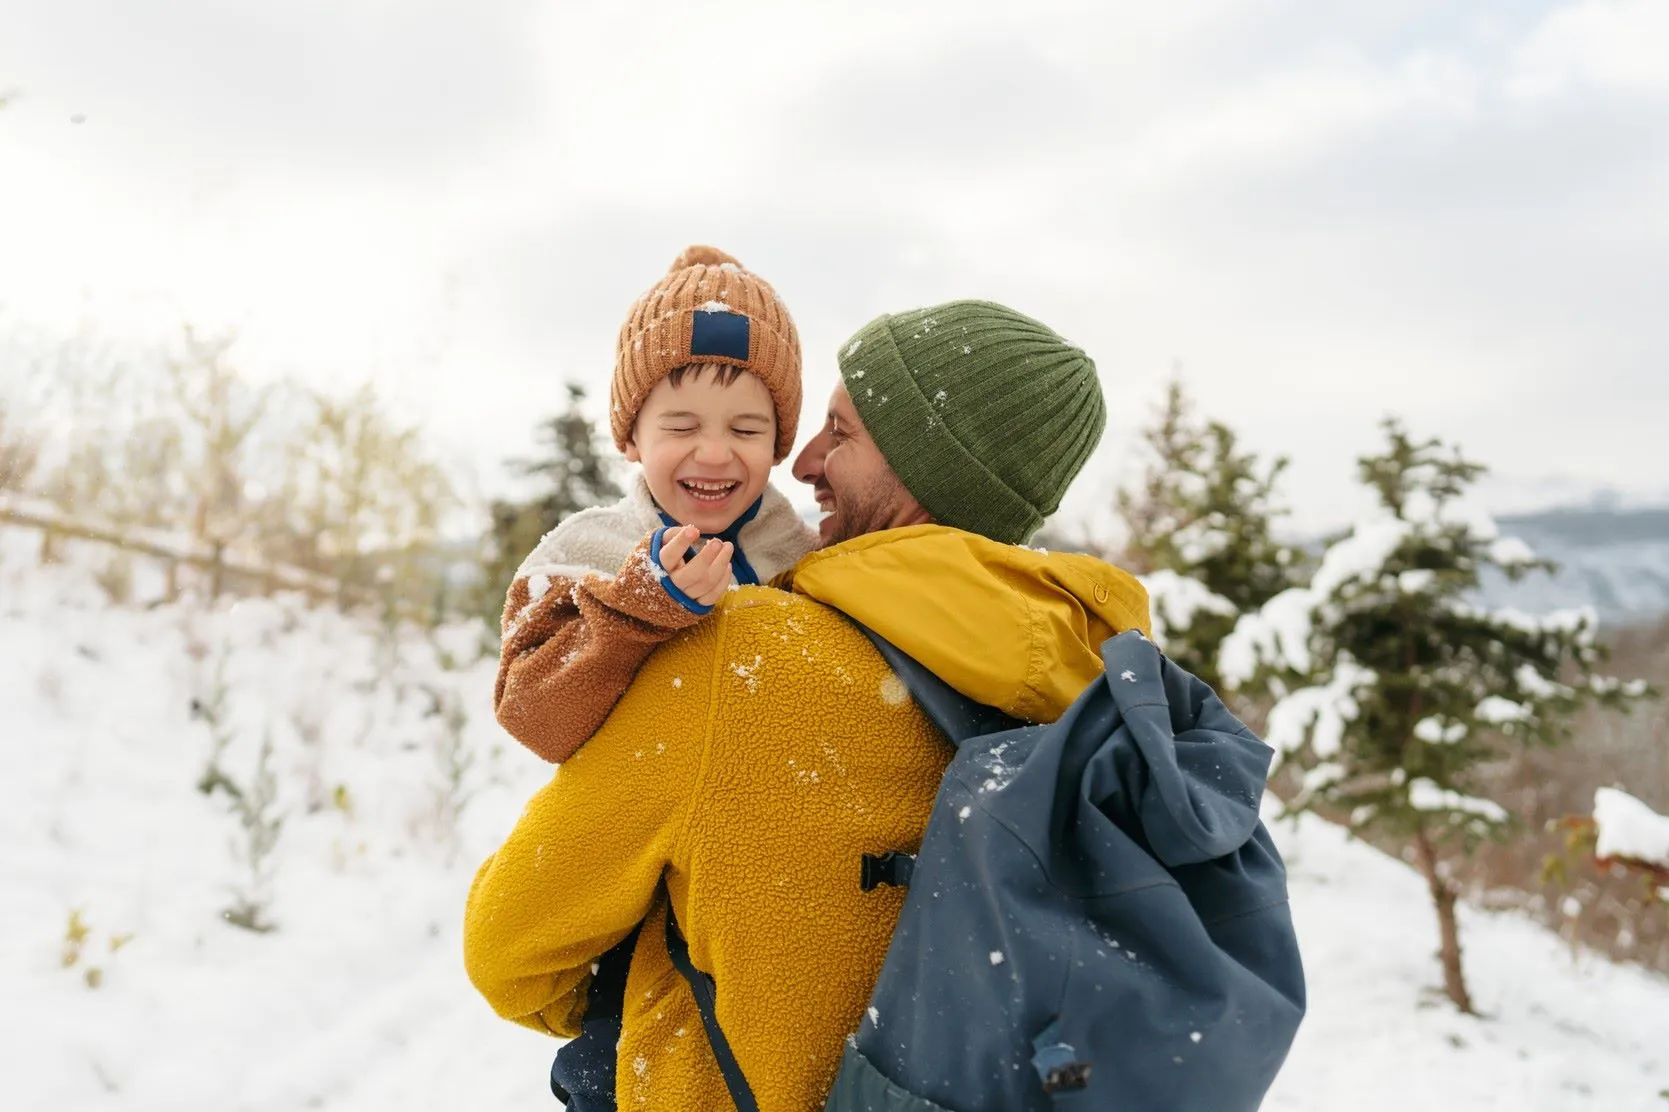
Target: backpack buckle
x=1057 y=1064
x=1067 y=1078
x=891 y=868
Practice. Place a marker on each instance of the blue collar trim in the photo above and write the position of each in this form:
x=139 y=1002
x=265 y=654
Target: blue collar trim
x=739 y=566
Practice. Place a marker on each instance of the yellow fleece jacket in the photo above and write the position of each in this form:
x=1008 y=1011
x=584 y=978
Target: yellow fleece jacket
x=753 y=762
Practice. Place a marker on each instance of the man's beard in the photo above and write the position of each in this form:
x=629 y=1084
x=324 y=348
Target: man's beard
x=869 y=510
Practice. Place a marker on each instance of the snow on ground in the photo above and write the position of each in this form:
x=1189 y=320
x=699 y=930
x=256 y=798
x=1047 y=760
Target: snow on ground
x=357 y=1000
x=1556 y=1033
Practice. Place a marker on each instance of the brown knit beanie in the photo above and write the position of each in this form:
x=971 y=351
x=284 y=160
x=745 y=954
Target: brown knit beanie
x=707 y=310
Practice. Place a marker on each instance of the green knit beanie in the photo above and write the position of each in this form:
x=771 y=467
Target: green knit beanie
x=983 y=413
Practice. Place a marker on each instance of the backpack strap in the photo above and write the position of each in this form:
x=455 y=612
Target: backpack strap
x=701 y=987
x=953 y=712
x=583 y=1072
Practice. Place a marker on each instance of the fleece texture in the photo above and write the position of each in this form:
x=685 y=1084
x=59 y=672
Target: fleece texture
x=590 y=603
x=755 y=759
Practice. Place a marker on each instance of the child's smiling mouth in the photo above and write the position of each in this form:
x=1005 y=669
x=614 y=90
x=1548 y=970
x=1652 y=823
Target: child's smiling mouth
x=706 y=490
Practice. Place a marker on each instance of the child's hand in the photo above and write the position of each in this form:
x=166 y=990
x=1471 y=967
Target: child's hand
x=706 y=576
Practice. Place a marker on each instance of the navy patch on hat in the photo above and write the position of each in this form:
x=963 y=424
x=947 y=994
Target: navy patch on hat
x=720 y=333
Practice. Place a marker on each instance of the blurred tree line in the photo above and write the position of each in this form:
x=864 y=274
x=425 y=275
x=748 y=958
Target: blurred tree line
x=179 y=448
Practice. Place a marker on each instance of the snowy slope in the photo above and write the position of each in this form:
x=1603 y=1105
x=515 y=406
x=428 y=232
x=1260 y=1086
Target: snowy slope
x=357 y=1000
x=1558 y=1033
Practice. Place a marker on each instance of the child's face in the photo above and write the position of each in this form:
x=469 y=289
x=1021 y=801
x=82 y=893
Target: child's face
x=706 y=448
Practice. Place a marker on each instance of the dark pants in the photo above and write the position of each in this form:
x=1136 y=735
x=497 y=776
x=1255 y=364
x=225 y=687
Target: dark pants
x=582 y=1077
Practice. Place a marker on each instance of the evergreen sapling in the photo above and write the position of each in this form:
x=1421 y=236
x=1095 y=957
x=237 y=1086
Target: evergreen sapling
x=1393 y=690
x=1201 y=532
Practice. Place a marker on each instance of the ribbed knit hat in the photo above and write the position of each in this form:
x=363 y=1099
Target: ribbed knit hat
x=707 y=309
x=984 y=414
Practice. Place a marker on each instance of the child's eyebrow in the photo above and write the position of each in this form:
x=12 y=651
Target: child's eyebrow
x=680 y=415
x=762 y=418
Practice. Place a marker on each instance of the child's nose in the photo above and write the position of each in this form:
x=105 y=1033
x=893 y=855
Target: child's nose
x=712 y=449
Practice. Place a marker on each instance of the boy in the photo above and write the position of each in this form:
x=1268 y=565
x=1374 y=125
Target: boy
x=706 y=399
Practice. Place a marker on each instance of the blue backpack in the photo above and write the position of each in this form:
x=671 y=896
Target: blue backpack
x=1097 y=917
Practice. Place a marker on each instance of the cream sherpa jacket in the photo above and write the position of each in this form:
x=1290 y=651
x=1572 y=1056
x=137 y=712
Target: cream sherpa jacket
x=589 y=604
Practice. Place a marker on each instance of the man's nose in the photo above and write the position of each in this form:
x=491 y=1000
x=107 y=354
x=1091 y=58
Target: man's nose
x=808 y=465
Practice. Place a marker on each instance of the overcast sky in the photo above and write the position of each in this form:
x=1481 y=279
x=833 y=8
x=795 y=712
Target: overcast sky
x=1452 y=210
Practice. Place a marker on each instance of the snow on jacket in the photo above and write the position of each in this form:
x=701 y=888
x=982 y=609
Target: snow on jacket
x=753 y=762
x=590 y=603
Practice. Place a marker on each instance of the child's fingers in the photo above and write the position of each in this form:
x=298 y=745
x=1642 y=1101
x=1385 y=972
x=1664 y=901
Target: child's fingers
x=708 y=574
x=674 y=544
x=705 y=575
x=721 y=573
x=698 y=565
x=715 y=589
x=715 y=553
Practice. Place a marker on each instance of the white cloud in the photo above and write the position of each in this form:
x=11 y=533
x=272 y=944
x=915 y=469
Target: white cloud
x=1620 y=44
x=1324 y=212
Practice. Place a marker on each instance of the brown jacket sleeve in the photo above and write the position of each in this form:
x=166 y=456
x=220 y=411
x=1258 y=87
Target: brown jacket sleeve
x=568 y=658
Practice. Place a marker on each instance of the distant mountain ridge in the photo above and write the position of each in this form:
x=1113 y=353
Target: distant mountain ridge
x=1613 y=559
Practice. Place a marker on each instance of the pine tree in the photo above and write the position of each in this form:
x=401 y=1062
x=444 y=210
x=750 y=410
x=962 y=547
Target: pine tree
x=577 y=472
x=573 y=473
x=1200 y=531
x=1395 y=690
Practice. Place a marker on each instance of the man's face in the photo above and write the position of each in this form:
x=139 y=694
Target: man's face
x=856 y=489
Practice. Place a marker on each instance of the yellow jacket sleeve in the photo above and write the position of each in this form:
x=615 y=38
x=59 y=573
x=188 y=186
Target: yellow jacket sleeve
x=585 y=860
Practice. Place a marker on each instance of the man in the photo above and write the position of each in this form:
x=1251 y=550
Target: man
x=761 y=754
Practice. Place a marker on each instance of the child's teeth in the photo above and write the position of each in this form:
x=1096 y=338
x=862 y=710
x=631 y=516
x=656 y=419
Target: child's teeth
x=709 y=492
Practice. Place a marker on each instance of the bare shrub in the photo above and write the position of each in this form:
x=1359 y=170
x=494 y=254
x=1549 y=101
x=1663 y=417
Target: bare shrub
x=115 y=578
x=20 y=452
x=362 y=502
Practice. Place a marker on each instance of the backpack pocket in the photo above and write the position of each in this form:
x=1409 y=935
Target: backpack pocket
x=860 y=1087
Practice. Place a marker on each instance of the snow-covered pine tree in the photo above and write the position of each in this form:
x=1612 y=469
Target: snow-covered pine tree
x=573 y=474
x=1200 y=532
x=1394 y=690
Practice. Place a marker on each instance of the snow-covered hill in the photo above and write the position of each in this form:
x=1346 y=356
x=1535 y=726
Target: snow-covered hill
x=393 y=781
